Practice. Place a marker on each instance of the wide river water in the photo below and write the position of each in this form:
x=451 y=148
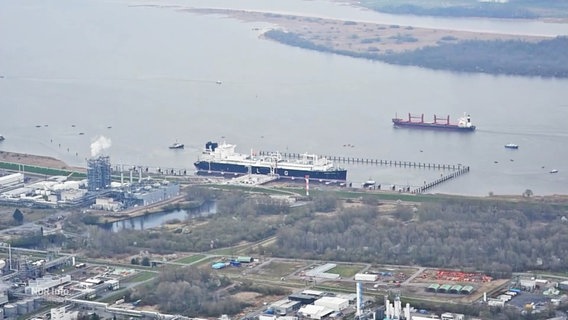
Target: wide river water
x=145 y=76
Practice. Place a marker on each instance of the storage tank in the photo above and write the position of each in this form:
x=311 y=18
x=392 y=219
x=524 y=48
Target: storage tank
x=10 y=311
x=1 y=313
x=22 y=308
x=30 y=305
x=37 y=303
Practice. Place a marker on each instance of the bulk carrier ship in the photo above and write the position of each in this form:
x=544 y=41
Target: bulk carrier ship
x=414 y=121
x=221 y=159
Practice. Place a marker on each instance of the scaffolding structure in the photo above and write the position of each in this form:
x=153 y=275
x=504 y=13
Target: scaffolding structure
x=98 y=173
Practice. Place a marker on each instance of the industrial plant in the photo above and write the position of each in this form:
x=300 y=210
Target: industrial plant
x=98 y=191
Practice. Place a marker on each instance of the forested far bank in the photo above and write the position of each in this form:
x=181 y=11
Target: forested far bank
x=546 y=58
x=519 y=9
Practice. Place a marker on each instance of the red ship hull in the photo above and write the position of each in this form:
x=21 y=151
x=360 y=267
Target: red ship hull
x=439 y=123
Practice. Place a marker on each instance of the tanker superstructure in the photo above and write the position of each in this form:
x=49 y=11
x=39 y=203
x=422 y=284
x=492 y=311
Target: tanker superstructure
x=414 y=121
x=222 y=159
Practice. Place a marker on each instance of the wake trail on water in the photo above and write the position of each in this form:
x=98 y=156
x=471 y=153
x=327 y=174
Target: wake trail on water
x=527 y=134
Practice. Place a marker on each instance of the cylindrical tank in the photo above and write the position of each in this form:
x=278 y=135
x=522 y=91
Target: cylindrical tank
x=37 y=303
x=21 y=307
x=30 y=304
x=10 y=310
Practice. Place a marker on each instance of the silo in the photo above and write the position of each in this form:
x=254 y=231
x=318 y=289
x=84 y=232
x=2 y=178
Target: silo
x=22 y=308
x=10 y=311
x=37 y=302
x=30 y=305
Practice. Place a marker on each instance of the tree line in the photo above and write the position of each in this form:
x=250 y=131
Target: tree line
x=495 y=237
x=546 y=58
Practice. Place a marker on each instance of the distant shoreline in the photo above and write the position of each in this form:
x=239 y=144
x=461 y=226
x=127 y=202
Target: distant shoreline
x=37 y=160
x=437 y=49
x=350 y=36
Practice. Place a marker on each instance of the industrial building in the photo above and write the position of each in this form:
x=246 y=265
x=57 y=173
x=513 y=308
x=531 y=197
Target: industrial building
x=284 y=307
x=321 y=271
x=62 y=314
x=159 y=191
x=98 y=173
x=97 y=191
x=315 y=312
x=42 y=285
x=107 y=204
x=11 y=180
x=333 y=303
x=302 y=298
x=366 y=277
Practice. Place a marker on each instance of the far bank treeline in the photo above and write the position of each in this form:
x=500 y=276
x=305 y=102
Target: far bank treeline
x=546 y=58
x=518 y=9
x=496 y=237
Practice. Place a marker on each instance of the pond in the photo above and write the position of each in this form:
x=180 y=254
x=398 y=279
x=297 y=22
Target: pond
x=160 y=218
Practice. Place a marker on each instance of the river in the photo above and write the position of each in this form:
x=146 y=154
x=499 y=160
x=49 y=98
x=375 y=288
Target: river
x=144 y=77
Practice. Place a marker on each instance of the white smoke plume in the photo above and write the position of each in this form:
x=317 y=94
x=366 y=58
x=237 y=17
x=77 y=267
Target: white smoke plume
x=99 y=145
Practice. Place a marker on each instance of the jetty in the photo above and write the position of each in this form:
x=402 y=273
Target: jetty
x=456 y=169
x=370 y=161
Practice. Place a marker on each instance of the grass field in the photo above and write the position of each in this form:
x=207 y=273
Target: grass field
x=191 y=259
x=346 y=270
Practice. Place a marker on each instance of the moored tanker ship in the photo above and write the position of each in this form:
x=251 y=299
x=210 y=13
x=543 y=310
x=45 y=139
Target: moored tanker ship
x=463 y=124
x=221 y=159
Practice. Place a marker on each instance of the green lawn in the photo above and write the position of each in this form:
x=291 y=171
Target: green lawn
x=141 y=276
x=346 y=270
x=191 y=259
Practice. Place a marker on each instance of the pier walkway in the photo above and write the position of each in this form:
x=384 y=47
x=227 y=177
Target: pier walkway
x=456 y=169
x=354 y=160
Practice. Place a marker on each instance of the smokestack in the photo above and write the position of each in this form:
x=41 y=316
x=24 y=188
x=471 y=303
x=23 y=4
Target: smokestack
x=397 y=307
x=121 y=178
x=131 y=176
x=485 y=297
x=359 y=296
x=407 y=311
x=307 y=185
x=140 y=175
x=10 y=256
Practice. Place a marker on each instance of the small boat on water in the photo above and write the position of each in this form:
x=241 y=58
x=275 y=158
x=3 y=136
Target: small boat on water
x=176 y=145
x=554 y=171
x=511 y=146
x=2 y=138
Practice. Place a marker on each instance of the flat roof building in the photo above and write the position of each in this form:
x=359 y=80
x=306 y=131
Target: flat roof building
x=315 y=312
x=333 y=303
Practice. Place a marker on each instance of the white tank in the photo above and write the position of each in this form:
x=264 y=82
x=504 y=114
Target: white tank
x=10 y=310
x=22 y=308
x=37 y=303
x=30 y=305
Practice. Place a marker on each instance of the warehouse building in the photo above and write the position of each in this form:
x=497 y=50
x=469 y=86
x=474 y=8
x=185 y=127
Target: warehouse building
x=366 y=277
x=302 y=298
x=45 y=284
x=333 y=303
x=284 y=307
x=11 y=180
x=315 y=312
